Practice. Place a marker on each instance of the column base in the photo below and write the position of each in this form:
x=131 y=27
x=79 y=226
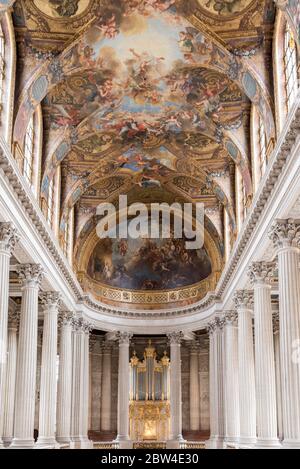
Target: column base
x=18 y=443
x=46 y=443
x=63 y=440
x=123 y=443
x=290 y=444
x=215 y=443
x=81 y=443
x=247 y=442
x=272 y=443
x=7 y=441
x=176 y=443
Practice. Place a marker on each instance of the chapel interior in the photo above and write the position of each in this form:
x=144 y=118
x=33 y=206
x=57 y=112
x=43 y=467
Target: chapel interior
x=124 y=342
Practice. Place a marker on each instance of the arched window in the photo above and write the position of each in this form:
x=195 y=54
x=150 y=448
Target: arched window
x=290 y=67
x=2 y=66
x=29 y=152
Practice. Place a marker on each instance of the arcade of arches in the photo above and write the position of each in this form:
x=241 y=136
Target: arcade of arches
x=130 y=343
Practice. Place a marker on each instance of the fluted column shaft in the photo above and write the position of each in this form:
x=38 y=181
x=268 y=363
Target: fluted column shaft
x=9 y=405
x=106 y=389
x=231 y=378
x=216 y=383
x=264 y=355
x=194 y=389
x=8 y=239
x=48 y=387
x=63 y=433
x=80 y=386
x=27 y=358
x=278 y=375
x=123 y=388
x=175 y=385
x=285 y=235
x=247 y=399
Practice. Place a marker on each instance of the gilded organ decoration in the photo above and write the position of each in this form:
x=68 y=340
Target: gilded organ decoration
x=149 y=396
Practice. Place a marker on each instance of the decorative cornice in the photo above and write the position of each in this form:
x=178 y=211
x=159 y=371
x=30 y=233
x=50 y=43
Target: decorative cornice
x=261 y=272
x=175 y=338
x=8 y=237
x=243 y=299
x=50 y=299
x=30 y=274
x=285 y=233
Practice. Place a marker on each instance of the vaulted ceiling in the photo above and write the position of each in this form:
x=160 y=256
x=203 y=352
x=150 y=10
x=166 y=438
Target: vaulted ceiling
x=146 y=97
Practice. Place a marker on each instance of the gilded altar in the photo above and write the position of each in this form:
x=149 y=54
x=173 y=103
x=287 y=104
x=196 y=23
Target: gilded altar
x=149 y=397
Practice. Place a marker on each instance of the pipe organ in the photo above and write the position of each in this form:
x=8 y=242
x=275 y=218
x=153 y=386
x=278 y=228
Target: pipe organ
x=149 y=396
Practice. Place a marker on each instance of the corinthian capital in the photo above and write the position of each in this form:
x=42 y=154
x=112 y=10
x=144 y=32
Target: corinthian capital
x=13 y=319
x=124 y=337
x=285 y=233
x=175 y=338
x=230 y=318
x=215 y=324
x=261 y=272
x=243 y=299
x=65 y=318
x=8 y=237
x=31 y=274
x=50 y=299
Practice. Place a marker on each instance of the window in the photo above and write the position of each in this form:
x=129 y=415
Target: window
x=2 y=65
x=28 y=152
x=50 y=203
x=262 y=146
x=290 y=67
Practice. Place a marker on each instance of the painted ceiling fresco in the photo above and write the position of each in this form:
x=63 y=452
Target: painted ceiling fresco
x=149 y=98
x=146 y=264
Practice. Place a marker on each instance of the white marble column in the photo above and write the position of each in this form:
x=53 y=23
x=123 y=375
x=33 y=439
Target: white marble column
x=106 y=388
x=9 y=404
x=216 y=383
x=123 y=391
x=30 y=275
x=285 y=235
x=231 y=378
x=244 y=304
x=175 y=339
x=278 y=374
x=64 y=391
x=260 y=274
x=80 y=386
x=194 y=388
x=8 y=239
x=48 y=386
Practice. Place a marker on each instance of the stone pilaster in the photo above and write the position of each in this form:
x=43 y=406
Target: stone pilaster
x=8 y=239
x=106 y=388
x=260 y=274
x=63 y=432
x=244 y=305
x=216 y=383
x=9 y=404
x=175 y=339
x=231 y=378
x=123 y=391
x=285 y=235
x=194 y=388
x=30 y=276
